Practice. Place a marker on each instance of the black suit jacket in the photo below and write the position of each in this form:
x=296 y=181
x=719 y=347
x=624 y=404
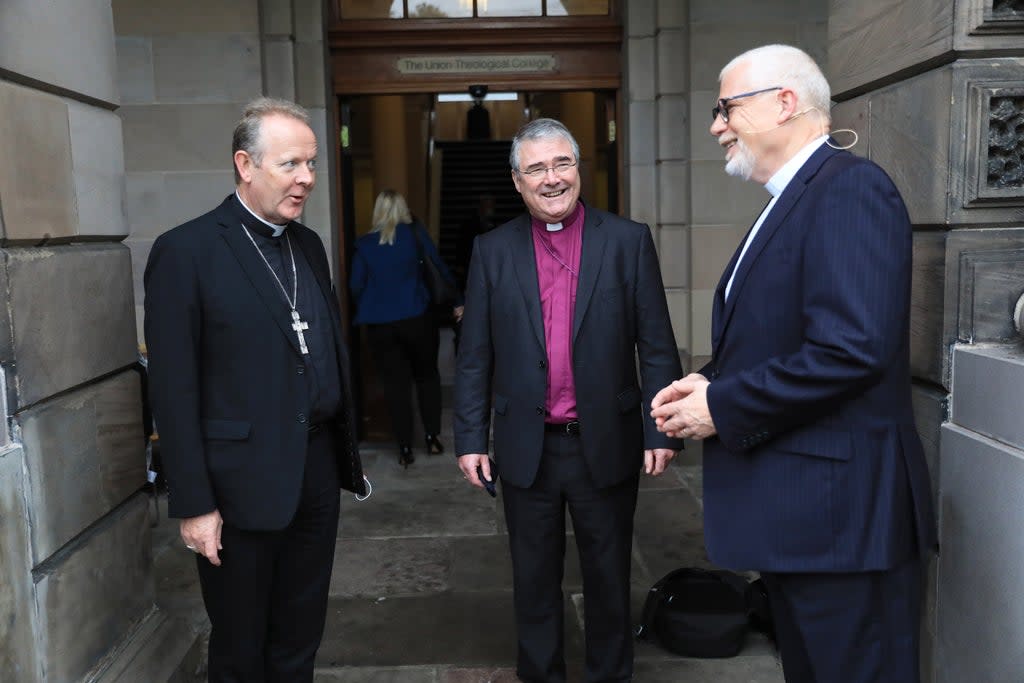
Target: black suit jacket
x=621 y=315
x=226 y=379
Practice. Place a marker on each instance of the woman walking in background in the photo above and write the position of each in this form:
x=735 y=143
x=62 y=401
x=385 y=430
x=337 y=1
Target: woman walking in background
x=393 y=301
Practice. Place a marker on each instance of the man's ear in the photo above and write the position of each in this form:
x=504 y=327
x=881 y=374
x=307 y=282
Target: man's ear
x=787 y=105
x=244 y=164
x=515 y=181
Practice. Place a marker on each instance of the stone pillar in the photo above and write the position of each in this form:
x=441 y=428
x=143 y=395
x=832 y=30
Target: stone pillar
x=185 y=71
x=937 y=94
x=674 y=169
x=314 y=91
x=76 y=582
x=723 y=208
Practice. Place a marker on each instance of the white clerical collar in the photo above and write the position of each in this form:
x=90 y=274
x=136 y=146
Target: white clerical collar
x=553 y=227
x=778 y=182
x=278 y=229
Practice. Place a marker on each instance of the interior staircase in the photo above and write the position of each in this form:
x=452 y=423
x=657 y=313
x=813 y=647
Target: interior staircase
x=469 y=169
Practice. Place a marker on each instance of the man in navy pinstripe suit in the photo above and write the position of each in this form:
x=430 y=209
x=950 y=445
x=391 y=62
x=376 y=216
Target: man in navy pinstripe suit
x=813 y=471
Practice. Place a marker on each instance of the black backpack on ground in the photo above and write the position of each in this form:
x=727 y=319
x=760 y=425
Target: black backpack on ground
x=704 y=612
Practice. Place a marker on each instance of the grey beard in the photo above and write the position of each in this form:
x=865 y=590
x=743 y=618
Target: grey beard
x=742 y=162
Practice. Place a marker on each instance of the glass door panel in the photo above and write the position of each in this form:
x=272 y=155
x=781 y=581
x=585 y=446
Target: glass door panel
x=371 y=9
x=509 y=8
x=440 y=9
x=578 y=8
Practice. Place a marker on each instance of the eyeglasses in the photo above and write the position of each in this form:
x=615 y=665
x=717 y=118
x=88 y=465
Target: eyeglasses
x=722 y=108
x=560 y=169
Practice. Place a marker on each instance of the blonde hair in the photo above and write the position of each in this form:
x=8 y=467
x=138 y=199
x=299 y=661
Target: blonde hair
x=389 y=210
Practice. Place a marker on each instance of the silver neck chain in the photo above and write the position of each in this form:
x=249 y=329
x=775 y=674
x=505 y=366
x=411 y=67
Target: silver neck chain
x=294 y=299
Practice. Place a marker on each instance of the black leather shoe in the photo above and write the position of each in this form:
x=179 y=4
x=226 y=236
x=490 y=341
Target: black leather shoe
x=434 y=445
x=405 y=456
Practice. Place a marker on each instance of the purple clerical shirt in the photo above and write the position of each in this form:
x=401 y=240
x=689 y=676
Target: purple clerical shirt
x=558 y=266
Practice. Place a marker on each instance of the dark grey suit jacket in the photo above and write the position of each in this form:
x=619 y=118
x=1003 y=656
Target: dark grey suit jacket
x=621 y=317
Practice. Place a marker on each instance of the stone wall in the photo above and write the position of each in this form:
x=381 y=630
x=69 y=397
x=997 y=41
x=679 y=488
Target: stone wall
x=935 y=93
x=185 y=71
x=76 y=585
x=674 y=52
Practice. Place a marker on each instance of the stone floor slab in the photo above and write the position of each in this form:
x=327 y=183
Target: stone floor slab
x=448 y=628
x=668 y=532
x=391 y=567
x=760 y=669
x=370 y=674
x=427 y=511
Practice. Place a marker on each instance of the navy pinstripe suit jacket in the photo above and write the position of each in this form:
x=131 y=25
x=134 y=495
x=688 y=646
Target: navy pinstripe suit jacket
x=817 y=465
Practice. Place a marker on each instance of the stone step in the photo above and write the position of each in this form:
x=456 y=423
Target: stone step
x=162 y=649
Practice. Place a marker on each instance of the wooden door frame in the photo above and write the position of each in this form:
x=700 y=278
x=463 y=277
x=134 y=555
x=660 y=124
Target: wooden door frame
x=586 y=53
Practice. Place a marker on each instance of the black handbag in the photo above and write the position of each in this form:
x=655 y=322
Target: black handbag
x=704 y=612
x=442 y=292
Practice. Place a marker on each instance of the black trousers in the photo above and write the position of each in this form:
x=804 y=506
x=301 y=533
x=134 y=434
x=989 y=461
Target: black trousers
x=405 y=352
x=848 y=628
x=267 y=602
x=603 y=524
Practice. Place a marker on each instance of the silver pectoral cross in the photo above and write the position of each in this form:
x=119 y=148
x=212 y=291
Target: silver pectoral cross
x=299 y=326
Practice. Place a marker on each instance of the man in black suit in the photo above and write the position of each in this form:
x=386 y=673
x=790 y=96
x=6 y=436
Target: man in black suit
x=560 y=303
x=250 y=390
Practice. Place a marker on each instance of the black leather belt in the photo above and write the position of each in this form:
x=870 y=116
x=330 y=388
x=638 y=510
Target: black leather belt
x=567 y=428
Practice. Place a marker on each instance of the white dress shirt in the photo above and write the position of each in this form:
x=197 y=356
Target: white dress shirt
x=775 y=186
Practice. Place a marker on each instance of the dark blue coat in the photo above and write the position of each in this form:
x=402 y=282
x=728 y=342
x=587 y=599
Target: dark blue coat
x=817 y=466
x=386 y=281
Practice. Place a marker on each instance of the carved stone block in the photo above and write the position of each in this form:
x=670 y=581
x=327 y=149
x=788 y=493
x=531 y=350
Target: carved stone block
x=18 y=659
x=988 y=380
x=880 y=41
x=989 y=23
x=980 y=620
x=69 y=45
x=38 y=191
x=951 y=139
x=69 y=315
x=927 y=300
x=85 y=454
x=92 y=593
x=930 y=411
x=984 y=278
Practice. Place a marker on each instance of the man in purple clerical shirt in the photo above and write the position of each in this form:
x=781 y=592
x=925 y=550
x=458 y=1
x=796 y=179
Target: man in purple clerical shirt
x=561 y=304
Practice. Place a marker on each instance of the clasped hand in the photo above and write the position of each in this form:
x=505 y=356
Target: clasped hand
x=680 y=410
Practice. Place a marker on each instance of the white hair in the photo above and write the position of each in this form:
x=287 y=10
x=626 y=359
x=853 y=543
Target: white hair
x=786 y=66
